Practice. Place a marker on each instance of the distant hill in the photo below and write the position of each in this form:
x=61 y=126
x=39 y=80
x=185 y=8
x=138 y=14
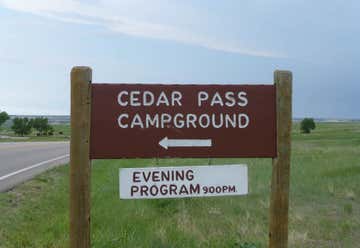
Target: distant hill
x=296 y=119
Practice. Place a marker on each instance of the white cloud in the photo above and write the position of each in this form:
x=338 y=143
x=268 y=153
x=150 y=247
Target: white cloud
x=150 y=19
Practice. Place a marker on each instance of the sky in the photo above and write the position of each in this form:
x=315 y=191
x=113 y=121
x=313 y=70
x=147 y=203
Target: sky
x=181 y=41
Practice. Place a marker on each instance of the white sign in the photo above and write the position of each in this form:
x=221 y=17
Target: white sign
x=186 y=181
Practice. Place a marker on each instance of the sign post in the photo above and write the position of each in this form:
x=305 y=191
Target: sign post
x=80 y=157
x=110 y=121
x=279 y=203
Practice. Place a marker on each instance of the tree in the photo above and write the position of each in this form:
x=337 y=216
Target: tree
x=51 y=131
x=307 y=125
x=3 y=117
x=22 y=126
x=42 y=125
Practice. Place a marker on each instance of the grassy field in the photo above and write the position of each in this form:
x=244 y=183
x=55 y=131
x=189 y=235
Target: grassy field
x=58 y=136
x=324 y=203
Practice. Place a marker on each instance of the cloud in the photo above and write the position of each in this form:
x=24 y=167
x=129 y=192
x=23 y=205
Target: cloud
x=136 y=18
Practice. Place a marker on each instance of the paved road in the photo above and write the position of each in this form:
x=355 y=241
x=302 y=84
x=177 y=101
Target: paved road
x=20 y=161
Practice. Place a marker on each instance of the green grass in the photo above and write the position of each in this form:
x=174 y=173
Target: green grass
x=65 y=129
x=324 y=203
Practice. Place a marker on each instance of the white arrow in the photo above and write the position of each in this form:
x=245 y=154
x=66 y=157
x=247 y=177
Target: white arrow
x=165 y=142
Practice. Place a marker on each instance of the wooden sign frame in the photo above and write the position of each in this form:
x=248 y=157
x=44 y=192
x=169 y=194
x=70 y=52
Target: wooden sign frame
x=80 y=163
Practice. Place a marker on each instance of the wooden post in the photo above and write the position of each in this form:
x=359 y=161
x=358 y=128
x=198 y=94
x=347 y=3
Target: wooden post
x=80 y=157
x=279 y=203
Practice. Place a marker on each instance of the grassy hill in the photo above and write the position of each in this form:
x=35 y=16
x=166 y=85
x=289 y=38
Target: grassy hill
x=324 y=203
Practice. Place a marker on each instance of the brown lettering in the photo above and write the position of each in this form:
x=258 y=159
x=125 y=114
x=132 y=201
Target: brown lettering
x=134 y=189
x=164 y=189
x=180 y=175
x=190 y=175
x=165 y=175
x=144 y=190
x=183 y=190
x=136 y=178
x=232 y=188
x=173 y=189
x=155 y=176
x=154 y=190
x=146 y=176
x=195 y=189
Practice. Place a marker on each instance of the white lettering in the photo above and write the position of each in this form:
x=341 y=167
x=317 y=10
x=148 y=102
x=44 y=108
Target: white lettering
x=179 y=123
x=120 y=118
x=216 y=99
x=162 y=99
x=243 y=117
x=136 y=121
x=243 y=99
x=202 y=96
x=179 y=120
x=201 y=120
x=176 y=97
x=134 y=100
x=231 y=121
x=190 y=119
x=121 y=103
x=165 y=119
x=230 y=99
x=221 y=121
x=148 y=98
x=152 y=122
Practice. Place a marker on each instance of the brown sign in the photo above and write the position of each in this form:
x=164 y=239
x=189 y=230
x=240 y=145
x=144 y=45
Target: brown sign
x=154 y=120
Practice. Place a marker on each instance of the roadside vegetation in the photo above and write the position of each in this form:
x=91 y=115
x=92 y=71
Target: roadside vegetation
x=324 y=203
x=307 y=124
x=3 y=117
x=33 y=129
x=24 y=126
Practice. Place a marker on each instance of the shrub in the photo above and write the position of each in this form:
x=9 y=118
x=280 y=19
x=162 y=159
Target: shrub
x=22 y=126
x=307 y=125
x=42 y=125
x=3 y=117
